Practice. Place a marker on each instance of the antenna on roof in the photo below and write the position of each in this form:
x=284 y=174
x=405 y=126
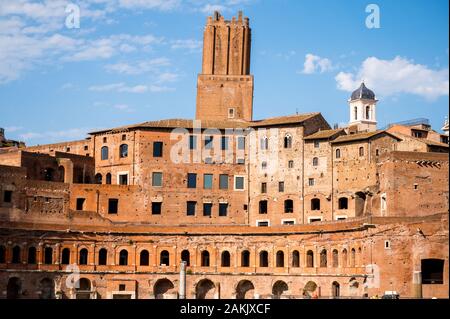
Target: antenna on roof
x=296 y=110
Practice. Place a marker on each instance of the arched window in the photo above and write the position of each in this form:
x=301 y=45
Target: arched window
x=338 y=153
x=31 y=255
x=65 y=256
x=16 y=255
x=2 y=254
x=323 y=258
x=123 y=150
x=343 y=203
x=280 y=259
x=335 y=258
x=315 y=161
x=104 y=153
x=315 y=204
x=186 y=257
x=288 y=206
x=98 y=178
x=205 y=258
x=361 y=151
x=295 y=258
x=367 y=112
x=225 y=259
x=123 y=257
x=264 y=143
x=164 y=258
x=353 y=258
x=48 y=255
x=355 y=113
x=344 y=258
x=310 y=259
x=102 y=256
x=245 y=258
x=144 y=258
x=83 y=258
x=108 y=178
x=263 y=259
x=288 y=141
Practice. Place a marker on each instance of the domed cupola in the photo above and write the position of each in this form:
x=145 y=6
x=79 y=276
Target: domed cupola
x=362 y=93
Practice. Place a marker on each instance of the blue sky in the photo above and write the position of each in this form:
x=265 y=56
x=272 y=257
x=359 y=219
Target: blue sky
x=137 y=60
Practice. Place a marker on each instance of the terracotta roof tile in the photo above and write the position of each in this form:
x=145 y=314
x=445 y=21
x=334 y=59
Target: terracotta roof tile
x=361 y=136
x=289 y=119
x=324 y=134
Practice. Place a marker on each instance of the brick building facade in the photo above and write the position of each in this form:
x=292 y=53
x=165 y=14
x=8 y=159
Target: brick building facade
x=282 y=207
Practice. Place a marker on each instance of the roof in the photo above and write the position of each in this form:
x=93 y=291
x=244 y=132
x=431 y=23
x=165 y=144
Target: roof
x=280 y=120
x=362 y=136
x=423 y=140
x=324 y=134
x=230 y=124
x=363 y=93
x=182 y=123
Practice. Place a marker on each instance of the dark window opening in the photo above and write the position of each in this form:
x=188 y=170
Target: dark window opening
x=16 y=255
x=7 y=196
x=123 y=258
x=264 y=259
x=186 y=257
x=207 y=208
x=108 y=178
x=192 y=142
x=104 y=153
x=280 y=259
x=144 y=258
x=156 y=208
x=157 y=149
x=343 y=203
x=323 y=258
x=223 y=209
x=123 y=179
x=245 y=258
x=281 y=187
x=123 y=150
x=190 y=208
x=164 y=258
x=48 y=255
x=263 y=187
x=192 y=180
x=205 y=259
x=315 y=161
x=113 y=205
x=310 y=259
x=432 y=271
x=65 y=256
x=295 y=259
x=288 y=206
x=122 y=287
x=315 y=204
x=83 y=260
x=102 y=256
x=31 y=255
x=225 y=259
x=338 y=153
x=224 y=143
x=263 y=207
x=80 y=203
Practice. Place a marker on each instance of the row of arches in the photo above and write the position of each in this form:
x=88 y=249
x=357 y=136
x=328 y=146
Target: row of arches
x=205 y=258
x=123 y=151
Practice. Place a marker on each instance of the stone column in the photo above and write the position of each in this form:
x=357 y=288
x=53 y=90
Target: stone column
x=182 y=283
x=417 y=284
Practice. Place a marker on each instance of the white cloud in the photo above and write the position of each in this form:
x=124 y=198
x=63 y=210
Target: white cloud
x=75 y=133
x=189 y=44
x=12 y=129
x=67 y=86
x=163 y=5
x=167 y=77
x=396 y=76
x=210 y=8
x=152 y=65
x=122 y=88
x=314 y=63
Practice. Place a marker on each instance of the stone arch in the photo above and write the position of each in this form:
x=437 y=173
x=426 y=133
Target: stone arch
x=162 y=288
x=344 y=257
x=245 y=289
x=186 y=257
x=309 y=289
x=323 y=258
x=360 y=203
x=353 y=286
x=13 y=288
x=225 y=259
x=279 y=288
x=103 y=256
x=335 y=289
x=205 y=289
x=83 y=289
x=47 y=288
x=61 y=174
x=98 y=178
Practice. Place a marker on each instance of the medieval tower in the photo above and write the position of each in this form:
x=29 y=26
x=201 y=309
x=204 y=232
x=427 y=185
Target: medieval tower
x=225 y=86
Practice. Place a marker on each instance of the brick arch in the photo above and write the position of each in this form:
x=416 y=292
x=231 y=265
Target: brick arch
x=205 y=289
x=244 y=289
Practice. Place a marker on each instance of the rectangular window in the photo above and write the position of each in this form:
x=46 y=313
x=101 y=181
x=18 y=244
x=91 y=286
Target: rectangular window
x=80 y=203
x=192 y=180
x=264 y=187
x=311 y=182
x=223 y=209
x=316 y=144
x=207 y=208
x=190 y=208
x=157 y=149
x=262 y=223
x=288 y=222
x=207 y=181
x=238 y=182
x=224 y=143
x=231 y=113
x=291 y=164
x=314 y=219
x=208 y=142
x=240 y=161
x=263 y=207
x=157 y=179
x=223 y=181
x=7 y=197
x=192 y=142
x=208 y=160
x=156 y=208
x=241 y=142
x=123 y=179
x=113 y=205
x=281 y=187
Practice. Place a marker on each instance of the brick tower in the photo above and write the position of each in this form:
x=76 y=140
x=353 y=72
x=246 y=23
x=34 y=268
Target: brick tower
x=225 y=86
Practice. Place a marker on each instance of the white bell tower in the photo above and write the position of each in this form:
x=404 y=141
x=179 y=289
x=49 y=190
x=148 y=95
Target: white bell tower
x=362 y=106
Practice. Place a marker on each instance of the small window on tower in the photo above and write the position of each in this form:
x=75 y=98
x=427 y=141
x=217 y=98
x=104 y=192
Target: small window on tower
x=231 y=113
